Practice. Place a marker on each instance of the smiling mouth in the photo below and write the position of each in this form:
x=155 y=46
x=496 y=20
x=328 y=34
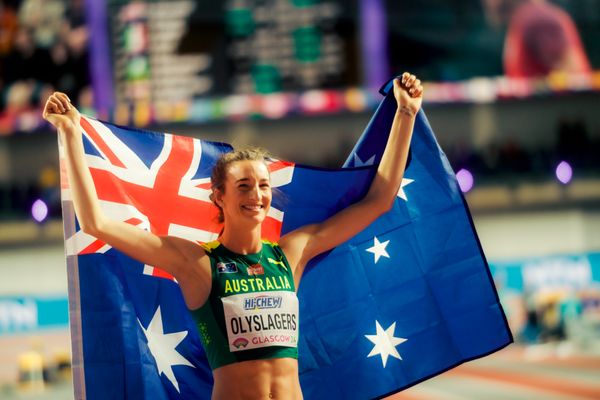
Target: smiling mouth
x=253 y=208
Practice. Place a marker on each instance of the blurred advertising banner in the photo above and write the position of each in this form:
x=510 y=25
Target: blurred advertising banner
x=27 y=314
x=555 y=272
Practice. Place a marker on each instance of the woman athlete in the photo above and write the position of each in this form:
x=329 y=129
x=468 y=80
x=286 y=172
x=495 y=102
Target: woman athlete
x=241 y=289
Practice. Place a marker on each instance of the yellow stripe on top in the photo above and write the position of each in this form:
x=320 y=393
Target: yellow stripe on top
x=210 y=246
x=272 y=244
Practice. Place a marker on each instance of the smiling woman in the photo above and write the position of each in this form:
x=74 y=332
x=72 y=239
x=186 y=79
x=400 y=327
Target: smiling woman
x=241 y=289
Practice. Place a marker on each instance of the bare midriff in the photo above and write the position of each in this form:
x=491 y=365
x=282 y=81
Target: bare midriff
x=258 y=379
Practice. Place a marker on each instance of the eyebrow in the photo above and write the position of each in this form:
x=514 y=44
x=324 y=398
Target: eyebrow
x=247 y=179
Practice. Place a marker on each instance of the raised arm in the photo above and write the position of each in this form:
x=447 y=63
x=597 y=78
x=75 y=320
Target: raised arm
x=307 y=242
x=169 y=253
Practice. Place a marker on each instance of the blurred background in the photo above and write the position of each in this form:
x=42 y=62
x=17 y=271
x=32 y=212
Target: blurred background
x=512 y=92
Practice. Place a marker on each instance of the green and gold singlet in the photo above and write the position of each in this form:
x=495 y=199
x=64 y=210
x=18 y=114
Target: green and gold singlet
x=252 y=310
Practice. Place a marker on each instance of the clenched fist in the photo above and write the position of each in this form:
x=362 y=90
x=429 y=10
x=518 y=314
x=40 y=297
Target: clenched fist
x=60 y=112
x=409 y=93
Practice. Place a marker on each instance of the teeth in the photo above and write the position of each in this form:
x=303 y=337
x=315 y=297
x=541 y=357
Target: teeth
x=254 y=208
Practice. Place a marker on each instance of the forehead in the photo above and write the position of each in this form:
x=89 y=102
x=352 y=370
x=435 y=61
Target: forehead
x=248 y=169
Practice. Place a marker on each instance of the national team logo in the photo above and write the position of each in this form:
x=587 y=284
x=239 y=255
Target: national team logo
x=240 y=343
x=256 y=269
x=227 y=268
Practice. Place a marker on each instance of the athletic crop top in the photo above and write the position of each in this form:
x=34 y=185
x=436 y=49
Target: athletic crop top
x=252 y=310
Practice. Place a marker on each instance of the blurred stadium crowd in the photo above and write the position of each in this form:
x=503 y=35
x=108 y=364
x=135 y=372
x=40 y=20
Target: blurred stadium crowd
x=43 y=48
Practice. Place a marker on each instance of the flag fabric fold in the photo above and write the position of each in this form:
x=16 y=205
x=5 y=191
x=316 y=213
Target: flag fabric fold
x=408 y=298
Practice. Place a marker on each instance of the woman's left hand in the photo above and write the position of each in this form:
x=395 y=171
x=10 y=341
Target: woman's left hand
x=409 y=93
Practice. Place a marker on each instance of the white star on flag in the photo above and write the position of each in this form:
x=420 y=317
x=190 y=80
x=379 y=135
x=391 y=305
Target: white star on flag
x=360 y=163
x=405 y=182
x=378 y=249
x=162 y=346
x=385 y=343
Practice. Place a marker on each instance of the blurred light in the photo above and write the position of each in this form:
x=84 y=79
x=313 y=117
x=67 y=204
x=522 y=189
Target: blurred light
x=39 y=210
x=564 y=172
x=203 y=110
x=237 y=105
x=240 y=22
x=481 y=90
x=313 y=101
x=356 y=100
x=275 y=105
x=142 y=114
x=465 y=180
x=307 y=44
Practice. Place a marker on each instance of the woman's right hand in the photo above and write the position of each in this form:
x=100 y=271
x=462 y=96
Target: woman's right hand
x=60 y=112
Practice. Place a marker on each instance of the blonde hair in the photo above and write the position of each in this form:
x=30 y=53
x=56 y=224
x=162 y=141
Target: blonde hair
x=219 y=171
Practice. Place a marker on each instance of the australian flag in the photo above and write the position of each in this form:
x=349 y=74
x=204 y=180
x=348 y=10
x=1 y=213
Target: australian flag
x=406 y=299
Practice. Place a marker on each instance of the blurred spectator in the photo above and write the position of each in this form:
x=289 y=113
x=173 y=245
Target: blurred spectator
x=49 y=188
x=530 y=330
x=573 y=143
x=25 y=61
x=44 y=18
x=491 y=158
x=514 y=158
x=541 y=38
x=8 y=26
x=42 y=50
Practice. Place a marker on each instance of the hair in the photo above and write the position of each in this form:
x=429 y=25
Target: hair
x=219 y=171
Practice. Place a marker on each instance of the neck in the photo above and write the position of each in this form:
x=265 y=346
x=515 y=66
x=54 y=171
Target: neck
x=241 y=240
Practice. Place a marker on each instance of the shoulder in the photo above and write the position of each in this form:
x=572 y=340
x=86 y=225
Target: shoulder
x=191 y=253
x=274 y=248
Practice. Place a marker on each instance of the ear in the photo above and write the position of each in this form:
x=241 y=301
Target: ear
x=218 y=197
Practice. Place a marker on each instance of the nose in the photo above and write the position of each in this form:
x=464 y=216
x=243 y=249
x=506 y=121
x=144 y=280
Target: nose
x=254 y=193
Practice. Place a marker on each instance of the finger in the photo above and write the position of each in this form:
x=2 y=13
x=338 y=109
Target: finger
x=60 y=97
x=64 y=100
x=56 y=105
x=405 y=76
x=416 y=88
x=61 y=105
x=410 y=81
x=48 y=103
x=50 y=108
x=63 y=95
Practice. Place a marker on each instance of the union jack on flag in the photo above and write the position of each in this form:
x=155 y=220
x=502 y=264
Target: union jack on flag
x=164 y=189
x=406 y=299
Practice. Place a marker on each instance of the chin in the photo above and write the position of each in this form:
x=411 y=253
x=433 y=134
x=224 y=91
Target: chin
x=256 y=219
x=260 y=218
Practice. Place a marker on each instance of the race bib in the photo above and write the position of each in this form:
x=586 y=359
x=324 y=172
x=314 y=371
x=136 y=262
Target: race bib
x=256 y=320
